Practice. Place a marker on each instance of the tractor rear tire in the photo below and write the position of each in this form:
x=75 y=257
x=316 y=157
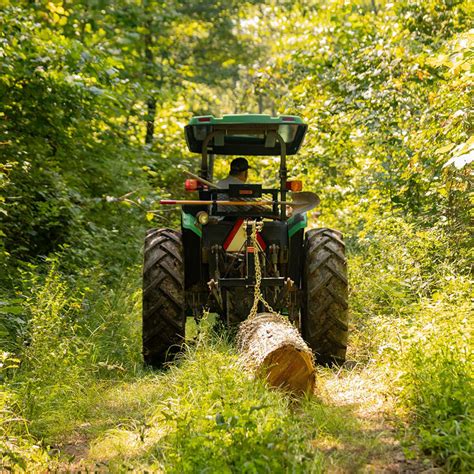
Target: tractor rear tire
x=164 y=316
x=324 y=316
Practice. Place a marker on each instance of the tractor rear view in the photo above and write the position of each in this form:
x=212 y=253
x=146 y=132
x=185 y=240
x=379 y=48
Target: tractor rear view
x=234 y=239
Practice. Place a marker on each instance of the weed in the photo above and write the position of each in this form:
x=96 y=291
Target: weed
x=412 y=314
x=18 y=450
x=438 y=388
x=206 y=413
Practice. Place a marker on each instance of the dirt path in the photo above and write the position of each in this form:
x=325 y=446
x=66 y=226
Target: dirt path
x=366 y=395
x=363 y=439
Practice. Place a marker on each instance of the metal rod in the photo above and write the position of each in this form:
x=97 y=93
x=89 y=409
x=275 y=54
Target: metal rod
x=283 y=173
x=205 y=143
x=202 y=180
x=228 y=203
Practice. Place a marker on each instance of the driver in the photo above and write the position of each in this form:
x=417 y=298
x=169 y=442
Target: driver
x=238 y=173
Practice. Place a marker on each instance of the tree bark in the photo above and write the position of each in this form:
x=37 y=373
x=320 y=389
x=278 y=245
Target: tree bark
x=274 y=349
x=149 y=73
x=150 y=120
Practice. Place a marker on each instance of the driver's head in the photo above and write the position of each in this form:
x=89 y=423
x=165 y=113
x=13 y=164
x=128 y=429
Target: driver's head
x=239 y=168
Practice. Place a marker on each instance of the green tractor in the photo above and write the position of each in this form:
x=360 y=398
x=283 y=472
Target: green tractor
x=210 y=263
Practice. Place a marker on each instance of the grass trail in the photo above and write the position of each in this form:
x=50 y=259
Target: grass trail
x=78 y=398
x=206 y=414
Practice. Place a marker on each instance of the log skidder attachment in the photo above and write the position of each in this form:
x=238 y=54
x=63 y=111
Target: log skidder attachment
x=164 y=318
x=324 y=317
x=257 y=293
x=238 y=304
x=271 y=345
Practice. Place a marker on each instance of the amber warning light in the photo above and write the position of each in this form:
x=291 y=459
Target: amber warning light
x=192 y=185
x=294 y=186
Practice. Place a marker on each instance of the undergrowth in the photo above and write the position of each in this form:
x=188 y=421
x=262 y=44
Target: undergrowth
x=79 y=375
x=75 y=339
x=412 y=313
x=210 y=415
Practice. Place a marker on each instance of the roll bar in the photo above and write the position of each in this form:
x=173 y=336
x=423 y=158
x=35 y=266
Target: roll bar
x=255 y=130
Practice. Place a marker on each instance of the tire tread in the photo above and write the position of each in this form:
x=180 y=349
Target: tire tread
x=163 y=319
x=325 y=308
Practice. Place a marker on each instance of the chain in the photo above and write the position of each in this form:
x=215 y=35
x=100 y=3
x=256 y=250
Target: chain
x=257 y=295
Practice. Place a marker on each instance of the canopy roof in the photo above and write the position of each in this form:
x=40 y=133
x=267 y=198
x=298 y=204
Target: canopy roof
x=245 y=134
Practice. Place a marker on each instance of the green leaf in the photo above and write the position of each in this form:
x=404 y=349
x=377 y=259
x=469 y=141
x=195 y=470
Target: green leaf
x=445 y=149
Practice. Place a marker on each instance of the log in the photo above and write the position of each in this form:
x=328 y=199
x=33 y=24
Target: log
x=274 y=349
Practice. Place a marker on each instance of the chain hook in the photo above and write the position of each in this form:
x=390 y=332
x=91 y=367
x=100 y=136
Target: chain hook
x=257 y=296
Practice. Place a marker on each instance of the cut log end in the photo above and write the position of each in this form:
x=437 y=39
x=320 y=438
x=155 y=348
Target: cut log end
x=290 y=369
x=274 y=349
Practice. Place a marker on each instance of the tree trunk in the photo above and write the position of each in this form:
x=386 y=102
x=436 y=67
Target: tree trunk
x=260 y=104
x=149 y=73
x=274 y=349
x=150 y=120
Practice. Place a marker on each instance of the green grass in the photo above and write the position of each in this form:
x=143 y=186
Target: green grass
x=204 y=413
x=77 y=395
x=79 y=338
x=412 y=314
x=207 y=414
x=438 y=387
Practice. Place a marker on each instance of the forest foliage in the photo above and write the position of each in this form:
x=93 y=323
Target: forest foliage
x=94 y=97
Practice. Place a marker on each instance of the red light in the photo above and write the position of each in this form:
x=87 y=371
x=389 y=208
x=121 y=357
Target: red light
x=204 y=119
x=294 y=186
x=192 y=185
x=288 y=119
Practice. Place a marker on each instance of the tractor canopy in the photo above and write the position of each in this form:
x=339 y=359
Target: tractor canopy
x=245 y=134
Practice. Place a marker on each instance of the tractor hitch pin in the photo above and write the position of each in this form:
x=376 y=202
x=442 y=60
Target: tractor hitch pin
x=274 y=253
x=274 y=250
x=287 y=294
x=290 y=284
x=214 y=289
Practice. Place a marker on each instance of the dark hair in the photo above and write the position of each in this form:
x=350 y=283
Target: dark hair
x=239 y=165
x=236 y=172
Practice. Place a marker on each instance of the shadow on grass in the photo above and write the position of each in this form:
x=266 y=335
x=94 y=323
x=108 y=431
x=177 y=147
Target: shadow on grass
x=229 y=424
